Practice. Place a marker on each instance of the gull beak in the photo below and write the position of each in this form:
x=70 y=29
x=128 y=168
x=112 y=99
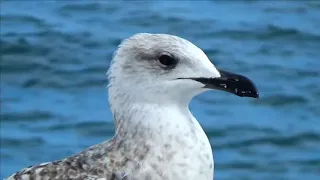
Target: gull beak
x=230 y=82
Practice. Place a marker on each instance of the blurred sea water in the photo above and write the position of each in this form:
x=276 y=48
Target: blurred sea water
x=54 y=56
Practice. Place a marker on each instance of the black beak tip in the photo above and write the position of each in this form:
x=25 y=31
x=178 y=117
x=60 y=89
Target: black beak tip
x=250 y=95
x=253 y=93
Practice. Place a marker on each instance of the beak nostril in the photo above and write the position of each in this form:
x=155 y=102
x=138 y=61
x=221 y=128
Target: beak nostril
x=233 y=79
x=224 y=86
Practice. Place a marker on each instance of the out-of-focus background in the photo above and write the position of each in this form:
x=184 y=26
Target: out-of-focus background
x=54 y=56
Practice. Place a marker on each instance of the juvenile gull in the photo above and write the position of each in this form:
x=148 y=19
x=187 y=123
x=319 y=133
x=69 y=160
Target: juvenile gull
x=152 y=79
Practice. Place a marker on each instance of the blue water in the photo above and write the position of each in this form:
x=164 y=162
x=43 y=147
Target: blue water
x=54 y=56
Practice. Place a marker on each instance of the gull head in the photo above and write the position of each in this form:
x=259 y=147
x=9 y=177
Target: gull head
x=162 y=68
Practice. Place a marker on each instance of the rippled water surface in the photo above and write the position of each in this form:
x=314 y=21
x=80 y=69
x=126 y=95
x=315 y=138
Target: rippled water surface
x=54 y=56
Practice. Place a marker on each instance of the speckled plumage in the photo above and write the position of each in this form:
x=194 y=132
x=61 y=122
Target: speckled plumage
x=157 y=138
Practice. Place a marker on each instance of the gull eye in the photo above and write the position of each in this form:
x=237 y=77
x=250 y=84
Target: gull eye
x=167 y=60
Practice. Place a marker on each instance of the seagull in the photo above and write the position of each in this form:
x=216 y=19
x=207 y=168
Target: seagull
x=152 y=79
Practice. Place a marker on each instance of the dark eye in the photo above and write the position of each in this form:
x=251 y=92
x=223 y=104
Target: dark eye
x=167 y=60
